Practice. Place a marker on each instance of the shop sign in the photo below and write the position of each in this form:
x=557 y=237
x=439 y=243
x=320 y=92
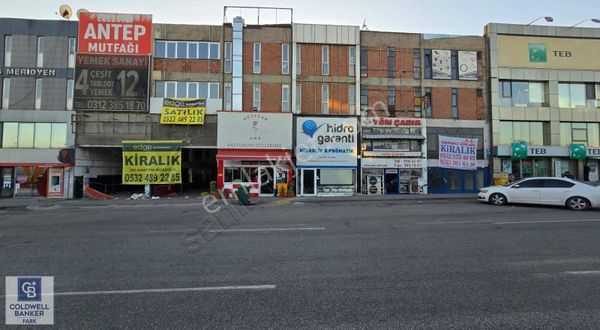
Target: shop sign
x=27 y=72
x=518 y=150
x=593 y=152
x=531 y=151
x=578 y=151
x=254 y=130
x=111 y=82
x=326 y=141
x=108 y=33
x=390 y=122
x=467 y=65
x=151 y=162
x=392 y=163
x=183 y=111
x=457 y=153
x=391 y=154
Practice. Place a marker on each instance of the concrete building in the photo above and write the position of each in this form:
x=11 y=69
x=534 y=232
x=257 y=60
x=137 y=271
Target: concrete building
x=545 y=98
x=415 y=88
x=36 y=116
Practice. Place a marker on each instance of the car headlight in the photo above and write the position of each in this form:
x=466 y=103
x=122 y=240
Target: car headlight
x=483 y=191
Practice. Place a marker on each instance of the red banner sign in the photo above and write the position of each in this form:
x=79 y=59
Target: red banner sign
x=106 y=33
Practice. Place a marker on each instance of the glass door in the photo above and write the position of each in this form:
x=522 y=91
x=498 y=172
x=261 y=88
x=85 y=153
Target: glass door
x=267 y=181
x=7 y=182
x=309 y=184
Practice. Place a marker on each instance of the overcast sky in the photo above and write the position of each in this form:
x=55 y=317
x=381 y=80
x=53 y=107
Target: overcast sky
x=428 y=16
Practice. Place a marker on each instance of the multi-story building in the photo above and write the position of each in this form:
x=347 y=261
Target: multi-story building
x=545 y=99
x=414 y=89
x=36 y=115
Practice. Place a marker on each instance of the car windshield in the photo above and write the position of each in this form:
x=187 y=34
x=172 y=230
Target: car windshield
x=511 y=183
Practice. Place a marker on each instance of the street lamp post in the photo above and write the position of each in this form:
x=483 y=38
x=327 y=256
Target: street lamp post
x=547 y=18
x=595 y=20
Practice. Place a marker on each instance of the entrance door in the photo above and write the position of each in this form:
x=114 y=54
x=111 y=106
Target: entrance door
x=7 y=182
x=391 y=182
x=309 y=184
x=267 y=181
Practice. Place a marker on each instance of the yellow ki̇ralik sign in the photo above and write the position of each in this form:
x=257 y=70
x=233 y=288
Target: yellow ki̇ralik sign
x=151 y=162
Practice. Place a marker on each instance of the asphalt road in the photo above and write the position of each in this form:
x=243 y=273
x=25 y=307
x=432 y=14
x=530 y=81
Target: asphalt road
x=396 y=264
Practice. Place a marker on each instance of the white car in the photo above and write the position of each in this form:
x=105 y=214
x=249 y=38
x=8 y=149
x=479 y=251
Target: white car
x=573 y=194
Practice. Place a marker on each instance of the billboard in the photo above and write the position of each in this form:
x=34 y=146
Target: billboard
x=326 y=141
x=457 y=153
x=111 y=82
x=254 y=130
x=441 y=64
x=467 y=65
x=108 y=33
x=151 y=162
x=183 y=111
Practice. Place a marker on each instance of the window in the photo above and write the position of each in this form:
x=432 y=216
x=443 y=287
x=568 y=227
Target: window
x=34 y=135
x=227 y=56
x=418 y=101
x=522 y=93
x=72 y=50
x=352 y=61
x=256 y=61
x=298 y=59
x=578 y=95
x=324 y=99
x=555 y=183
x=455 y=103
x=69 y=104
x=256 y=97
x=364 y=98
x=285 y=58
x=391 y=62
x=416 y=63
x=454 y=64
x=42 y=134
x=10 y=135
x=428 y=102
x=285 y=98
x=531 y=133
x=536 y=183
x=59 y=135
x=26 y=132
x=352 y=99
x=187 y=89
x=186 y=50
x=227 y=96
x=298 y=98
x=40 y=52
x=38 y=93
x=427 y=58
x=580 y=133
x=364 y=61
x=325 y=60
x=392 y=100
x=5 y=93
x=7 y=50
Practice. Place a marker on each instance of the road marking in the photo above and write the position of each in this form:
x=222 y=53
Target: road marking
x=543 y=221
x=583 y=272
x=450 y=222
x=263 y=229
x=166 y=290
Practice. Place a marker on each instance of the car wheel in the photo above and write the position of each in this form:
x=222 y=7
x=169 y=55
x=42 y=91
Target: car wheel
x=497 y=199
x=578 y=203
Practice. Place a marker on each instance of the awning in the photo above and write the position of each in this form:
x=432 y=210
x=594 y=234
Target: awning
x=254 y=154
x=395 y=136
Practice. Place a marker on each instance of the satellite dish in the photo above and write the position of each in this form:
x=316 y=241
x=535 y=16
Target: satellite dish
x=81 y=11
x=65 y=11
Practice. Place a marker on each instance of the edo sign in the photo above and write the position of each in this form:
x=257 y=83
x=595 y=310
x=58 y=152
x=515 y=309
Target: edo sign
x=458 y=153
x=151 y=162
x=326 y=142
x=106 y=33
x=111 y=82
x=183 y=112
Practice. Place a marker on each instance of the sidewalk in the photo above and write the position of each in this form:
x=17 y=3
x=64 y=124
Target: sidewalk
x=372 y=198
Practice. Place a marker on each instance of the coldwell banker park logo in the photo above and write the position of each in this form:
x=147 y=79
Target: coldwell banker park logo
x=29 y=300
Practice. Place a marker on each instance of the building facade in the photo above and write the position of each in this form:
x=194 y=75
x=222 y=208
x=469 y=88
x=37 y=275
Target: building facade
x=545 y=99
x=36 y=117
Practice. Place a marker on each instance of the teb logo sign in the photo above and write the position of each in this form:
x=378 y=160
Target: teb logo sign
x=538 y=53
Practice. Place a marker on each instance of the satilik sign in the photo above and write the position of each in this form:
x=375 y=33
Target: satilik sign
x=108 y=33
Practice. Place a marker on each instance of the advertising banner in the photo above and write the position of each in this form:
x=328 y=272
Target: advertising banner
x=183 y=111
x=467 y=65
x=441 y=64
x=151 y=162
x=111 y=82
x=326 y=141
x=457 y=153
x=254 y=130
x=107 y=33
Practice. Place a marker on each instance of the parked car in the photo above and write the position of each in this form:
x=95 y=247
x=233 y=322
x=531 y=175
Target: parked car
x=573 y=194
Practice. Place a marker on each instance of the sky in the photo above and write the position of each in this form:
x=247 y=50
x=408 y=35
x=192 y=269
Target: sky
x=466 y=17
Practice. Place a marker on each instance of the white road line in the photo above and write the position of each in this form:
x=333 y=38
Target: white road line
x=451 y=222
x=543 y=221
x=263 y=229
x=583 y=272
x=167 y=290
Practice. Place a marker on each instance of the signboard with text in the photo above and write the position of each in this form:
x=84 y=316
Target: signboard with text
x=111 y=82
x=108 y=33
x=254 y=130
x=151 y=162
x=183 y=111
x=457 y=153
x=326 y=141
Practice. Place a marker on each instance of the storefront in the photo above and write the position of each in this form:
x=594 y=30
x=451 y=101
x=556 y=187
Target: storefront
x=326 y=154
x=393 y=156
x=32 y=180
x=255 y=151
